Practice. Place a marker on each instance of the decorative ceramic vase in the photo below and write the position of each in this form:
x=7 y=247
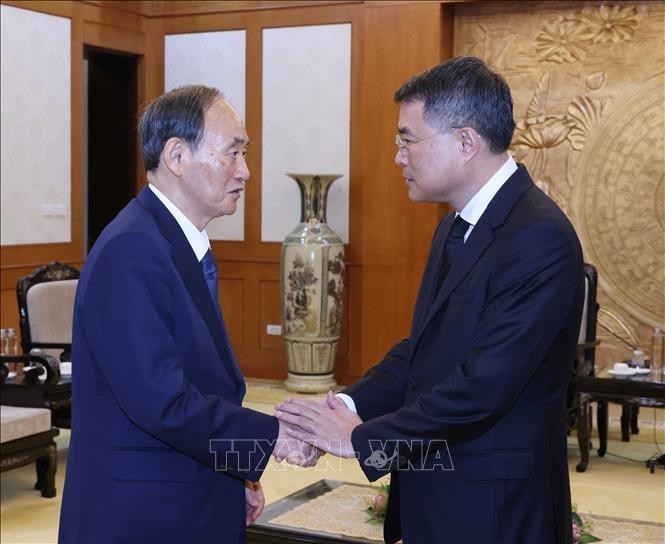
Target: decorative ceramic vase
x=312 y=286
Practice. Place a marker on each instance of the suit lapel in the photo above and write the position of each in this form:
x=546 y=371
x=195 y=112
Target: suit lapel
x=479 y=240
x=192 y=275
x=426 y=293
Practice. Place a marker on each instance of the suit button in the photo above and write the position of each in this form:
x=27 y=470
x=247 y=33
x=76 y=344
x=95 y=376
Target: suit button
x=413 y=385
x=402 y=460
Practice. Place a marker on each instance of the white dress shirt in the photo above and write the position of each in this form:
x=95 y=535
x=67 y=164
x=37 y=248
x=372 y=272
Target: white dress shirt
x=198 y=239
x=475 y=207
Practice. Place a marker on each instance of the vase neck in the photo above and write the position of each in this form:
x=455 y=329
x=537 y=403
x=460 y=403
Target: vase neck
x=313 y=195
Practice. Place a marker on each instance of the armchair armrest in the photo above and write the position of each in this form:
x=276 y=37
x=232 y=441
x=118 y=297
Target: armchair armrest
x=66 y=348
x=32 y=371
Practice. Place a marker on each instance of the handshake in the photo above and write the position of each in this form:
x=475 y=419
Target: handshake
x=308 y=428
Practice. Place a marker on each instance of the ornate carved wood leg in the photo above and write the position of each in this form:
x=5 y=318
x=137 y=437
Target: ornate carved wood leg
x=601 y=421
x=625 y=421
x=634 y=415
x=46 y=468
x=583 y=430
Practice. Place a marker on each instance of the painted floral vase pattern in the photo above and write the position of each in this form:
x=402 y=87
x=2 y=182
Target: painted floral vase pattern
x=312 y=283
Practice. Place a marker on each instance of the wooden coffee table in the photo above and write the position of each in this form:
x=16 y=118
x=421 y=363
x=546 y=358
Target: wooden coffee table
x=265 y=532
x=641 y=389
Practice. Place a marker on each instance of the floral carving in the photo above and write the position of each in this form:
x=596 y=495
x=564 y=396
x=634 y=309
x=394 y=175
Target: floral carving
x=563 y=40
x=584 y=113
x=540 y=131
x=607 y=173
x=568 y=39
x=610 y=23
x=595 y=81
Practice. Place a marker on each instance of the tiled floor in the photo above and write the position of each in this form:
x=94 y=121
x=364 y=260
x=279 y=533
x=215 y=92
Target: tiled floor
x=612 y=485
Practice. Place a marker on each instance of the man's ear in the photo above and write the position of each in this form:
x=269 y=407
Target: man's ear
x=470 y=141
x=175 y=155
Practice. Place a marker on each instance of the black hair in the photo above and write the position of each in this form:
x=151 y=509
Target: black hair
x=464 y=92
x=179 y=113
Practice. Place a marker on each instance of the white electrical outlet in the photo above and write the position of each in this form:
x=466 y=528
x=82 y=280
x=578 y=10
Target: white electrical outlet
x=274 y=330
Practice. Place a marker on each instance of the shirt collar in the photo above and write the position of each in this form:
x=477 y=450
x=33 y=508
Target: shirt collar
x=478 y=204
x=198 y=239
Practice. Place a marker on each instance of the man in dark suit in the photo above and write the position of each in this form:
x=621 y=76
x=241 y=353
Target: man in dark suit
x=467 y=414
x=161 y=448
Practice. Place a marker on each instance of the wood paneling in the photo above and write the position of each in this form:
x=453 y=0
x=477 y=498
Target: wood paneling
x=270 y=312
x=399 y=41
x=168 y=8
x=389 y=235
x=131 y=6
x=386 y=302
x=9 y=310
x=113 y=37
x=94 y=25
x=232 y=295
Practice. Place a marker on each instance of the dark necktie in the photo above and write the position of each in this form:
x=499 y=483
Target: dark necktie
x=454 y=244
x=210 y=274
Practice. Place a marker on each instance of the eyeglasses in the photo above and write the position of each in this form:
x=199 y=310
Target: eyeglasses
x=403 y=144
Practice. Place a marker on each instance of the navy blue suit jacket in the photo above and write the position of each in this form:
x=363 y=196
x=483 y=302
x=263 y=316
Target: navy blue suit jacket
x=160 y=444
x=468 y=412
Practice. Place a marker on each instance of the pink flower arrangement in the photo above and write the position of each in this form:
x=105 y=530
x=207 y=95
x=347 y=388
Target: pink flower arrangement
x=581 y=528
x=376 y=511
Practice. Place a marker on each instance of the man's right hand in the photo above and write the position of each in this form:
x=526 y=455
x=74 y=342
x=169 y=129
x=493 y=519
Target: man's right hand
x=294 y=451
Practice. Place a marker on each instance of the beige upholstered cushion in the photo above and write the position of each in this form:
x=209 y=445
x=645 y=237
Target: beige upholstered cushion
x=18 y=422
x=51 y=311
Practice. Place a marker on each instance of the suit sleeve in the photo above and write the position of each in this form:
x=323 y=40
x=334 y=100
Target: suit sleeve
x=128 y=316
x=534 y=291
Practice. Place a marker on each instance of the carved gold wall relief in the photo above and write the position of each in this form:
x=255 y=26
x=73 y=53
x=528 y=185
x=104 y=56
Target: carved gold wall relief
x=588 y=82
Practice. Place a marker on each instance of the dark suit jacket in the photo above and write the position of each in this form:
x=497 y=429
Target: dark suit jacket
x=468 y=413
x=160 y=445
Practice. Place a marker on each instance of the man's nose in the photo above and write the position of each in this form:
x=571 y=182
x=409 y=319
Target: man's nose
x=400 y=158
x=242 y=172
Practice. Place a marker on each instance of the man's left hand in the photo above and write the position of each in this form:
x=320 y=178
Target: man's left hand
x=326 y=425
x=255 y=501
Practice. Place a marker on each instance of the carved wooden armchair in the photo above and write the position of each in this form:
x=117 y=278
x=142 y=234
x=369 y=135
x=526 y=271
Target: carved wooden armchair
x=46 y=309
x=585 y=356
x=26 y=423
x=46 y=306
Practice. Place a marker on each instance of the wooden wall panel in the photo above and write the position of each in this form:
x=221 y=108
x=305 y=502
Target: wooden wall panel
x=232 y=301
x=387 y=300
x=270 y=312
x=112 y=37
x=9 y=310
x=399 y=41
x=389 y=235
x=169 y=8
x=95 y=25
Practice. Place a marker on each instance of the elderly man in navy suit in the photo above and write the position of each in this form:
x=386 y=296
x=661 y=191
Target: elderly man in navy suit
x=161 y=448
x=467 y=414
